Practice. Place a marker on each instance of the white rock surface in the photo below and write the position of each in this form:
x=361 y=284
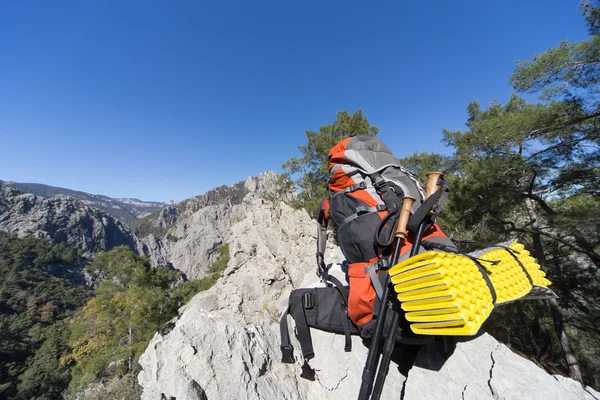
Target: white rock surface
x=482 y=368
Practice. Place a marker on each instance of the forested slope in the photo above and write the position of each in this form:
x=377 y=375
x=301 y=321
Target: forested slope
x=58 y=337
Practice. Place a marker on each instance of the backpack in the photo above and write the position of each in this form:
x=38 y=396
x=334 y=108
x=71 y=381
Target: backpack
x=366 y=188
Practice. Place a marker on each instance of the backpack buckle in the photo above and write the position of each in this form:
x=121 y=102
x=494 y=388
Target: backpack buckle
x=308 y=301
x=287 y=354
x=383 y=264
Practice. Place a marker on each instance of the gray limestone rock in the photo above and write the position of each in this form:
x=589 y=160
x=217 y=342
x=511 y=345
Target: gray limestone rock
x=192 y=242
x=62 y=219
x=483 y=368
x=125 y=210
x=188 y=235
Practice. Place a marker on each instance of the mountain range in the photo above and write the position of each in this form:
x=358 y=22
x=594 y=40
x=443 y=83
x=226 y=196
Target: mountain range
x=125 y=210
x=183 y=235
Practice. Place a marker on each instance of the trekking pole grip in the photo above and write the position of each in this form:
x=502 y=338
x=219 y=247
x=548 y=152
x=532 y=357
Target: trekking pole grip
x=407 y=203
x=432 y=182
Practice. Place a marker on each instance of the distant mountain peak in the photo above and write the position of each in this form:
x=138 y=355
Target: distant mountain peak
x=125 y=210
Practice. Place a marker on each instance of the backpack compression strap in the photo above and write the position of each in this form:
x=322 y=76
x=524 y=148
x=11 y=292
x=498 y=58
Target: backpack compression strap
x=298 y=311
x=380 y=265
x=392 y=195
x=433 y=204
x=322 y=238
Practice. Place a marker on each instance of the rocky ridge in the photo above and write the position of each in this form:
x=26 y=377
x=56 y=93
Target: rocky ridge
x=187 y=236
x=61 y=219
x=125 y=210
x=225 y=342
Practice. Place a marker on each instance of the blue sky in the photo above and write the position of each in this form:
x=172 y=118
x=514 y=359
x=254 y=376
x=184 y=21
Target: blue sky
x=164 y=100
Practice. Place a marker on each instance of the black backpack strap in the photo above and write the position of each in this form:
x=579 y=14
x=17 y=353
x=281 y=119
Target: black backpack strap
x=392 y=195
x=349 y=189
x=347 y=337
x=486 y=278
x=512 y=253
x=345 y=318
x=287 y=350
x=360 y=211
x=296 y=309
x=302 y=328
x=336 y=282
x=443 y=197
x=322 y=239
x=434 y=203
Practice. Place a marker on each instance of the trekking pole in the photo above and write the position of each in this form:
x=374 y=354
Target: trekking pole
x=432 y=183
x=390 y=343
x=373 y=356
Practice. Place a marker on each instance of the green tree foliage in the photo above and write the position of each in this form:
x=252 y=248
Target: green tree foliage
x=570 y=71
x=126 y=269
x=116 y=325
x=45 y=377
x=35 y=299
x=312 y=168
x=133 y=302
x=511 y=181
x=420 y=164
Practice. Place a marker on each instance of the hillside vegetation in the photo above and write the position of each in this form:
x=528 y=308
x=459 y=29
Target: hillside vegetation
x=56 y=337
x=34 y=307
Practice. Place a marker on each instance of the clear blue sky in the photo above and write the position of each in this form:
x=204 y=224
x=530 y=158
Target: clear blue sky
x=166 y=99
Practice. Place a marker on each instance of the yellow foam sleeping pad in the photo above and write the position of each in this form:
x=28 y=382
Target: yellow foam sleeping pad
x=453 y=294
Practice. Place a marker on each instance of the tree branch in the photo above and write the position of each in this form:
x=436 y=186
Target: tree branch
x=595 y=257
x=530 y=190
x=556 y=146
x=583 y=63
x=546 y=128
x=540 y=202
